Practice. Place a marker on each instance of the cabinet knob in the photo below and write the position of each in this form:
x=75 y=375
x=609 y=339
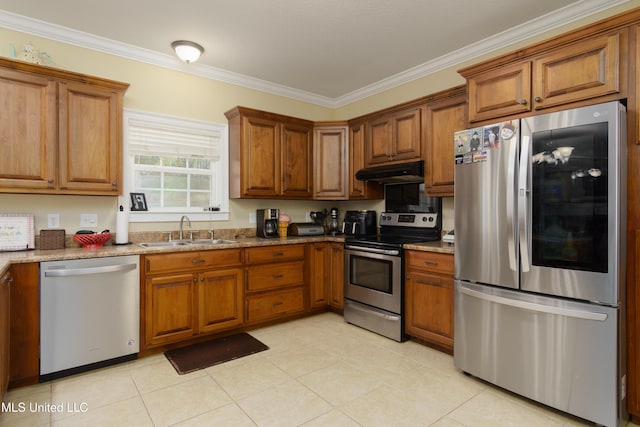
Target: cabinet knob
x=195 y=280
x=523 y=101
x=50 y=181
x=114 y=184
x=538 y=99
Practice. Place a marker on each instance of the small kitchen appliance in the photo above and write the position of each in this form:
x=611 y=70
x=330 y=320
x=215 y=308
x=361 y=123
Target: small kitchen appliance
x=334 y=228
x=359 y=223
x=267 y=222
x=306 y=229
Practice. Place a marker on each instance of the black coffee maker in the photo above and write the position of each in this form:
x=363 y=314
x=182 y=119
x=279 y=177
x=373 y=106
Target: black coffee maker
x=267 y=222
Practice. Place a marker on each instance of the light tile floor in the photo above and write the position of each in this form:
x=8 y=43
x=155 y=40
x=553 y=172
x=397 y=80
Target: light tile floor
x=319 y=371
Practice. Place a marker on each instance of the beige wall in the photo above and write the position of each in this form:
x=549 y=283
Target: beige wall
x=166 y=91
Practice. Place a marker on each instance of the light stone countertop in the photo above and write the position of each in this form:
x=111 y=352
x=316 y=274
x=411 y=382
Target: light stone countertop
x=8 y=258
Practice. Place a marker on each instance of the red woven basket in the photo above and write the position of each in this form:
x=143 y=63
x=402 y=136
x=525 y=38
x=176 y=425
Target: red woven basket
x=95 y=240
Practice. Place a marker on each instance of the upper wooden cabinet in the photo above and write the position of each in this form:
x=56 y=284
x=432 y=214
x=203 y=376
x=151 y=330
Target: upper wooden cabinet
x=446 y=114
x=270 y=156
x=360 y=189
x=330 y=161
x=530 y=80
x=394 y=137
x=62 y=131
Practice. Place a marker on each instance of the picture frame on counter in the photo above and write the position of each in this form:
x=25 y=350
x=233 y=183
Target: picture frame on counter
x=138 y=202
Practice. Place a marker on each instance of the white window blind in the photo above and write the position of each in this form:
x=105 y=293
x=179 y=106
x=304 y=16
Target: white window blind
x=146 y=138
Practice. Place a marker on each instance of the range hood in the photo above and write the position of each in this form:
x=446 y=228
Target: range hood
x=395 y=173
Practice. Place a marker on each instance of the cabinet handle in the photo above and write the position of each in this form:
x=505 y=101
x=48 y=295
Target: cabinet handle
x=278 y=253
x=278 y=276
x=431 y=262
x=277 y=304
x=523 y=101
x=538 y=99
x=197 y=261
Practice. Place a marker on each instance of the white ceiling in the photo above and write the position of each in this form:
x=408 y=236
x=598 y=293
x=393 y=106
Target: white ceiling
x=330 y=52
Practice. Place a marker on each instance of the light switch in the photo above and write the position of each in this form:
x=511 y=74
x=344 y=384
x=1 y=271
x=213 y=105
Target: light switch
x=53 y=220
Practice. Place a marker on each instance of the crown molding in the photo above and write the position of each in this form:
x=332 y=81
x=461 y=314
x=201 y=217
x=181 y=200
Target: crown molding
x=566 y=15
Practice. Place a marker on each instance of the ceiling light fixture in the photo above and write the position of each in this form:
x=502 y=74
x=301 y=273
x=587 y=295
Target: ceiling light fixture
x=187 y=51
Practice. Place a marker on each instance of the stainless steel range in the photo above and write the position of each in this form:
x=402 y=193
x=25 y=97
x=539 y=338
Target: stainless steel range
x=374 y=271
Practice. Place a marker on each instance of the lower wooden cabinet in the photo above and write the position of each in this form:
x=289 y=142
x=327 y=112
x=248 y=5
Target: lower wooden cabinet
x=326 y=275
x=429 y=298
x=24 y=345
x=5 y=309
x=336 y=275
x=206 y=296
x=275 y=285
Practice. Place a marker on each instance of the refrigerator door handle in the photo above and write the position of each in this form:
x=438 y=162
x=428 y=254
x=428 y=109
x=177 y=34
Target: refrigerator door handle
x=523 y=196
x=532 y=306
x=511 y=191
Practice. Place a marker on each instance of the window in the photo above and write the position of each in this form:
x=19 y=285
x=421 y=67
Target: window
x=181 y=165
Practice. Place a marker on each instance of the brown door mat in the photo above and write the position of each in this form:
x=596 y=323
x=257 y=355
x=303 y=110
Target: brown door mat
x=214 y=352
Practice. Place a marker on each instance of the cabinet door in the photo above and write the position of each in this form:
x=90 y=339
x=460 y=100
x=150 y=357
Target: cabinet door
x=336 y=275
x=28 y=132
x=260 y=172
x=429 y=308
x=89 y=139
x=331 y=163
x=297 y=161
x=5 y=320
x=407 y=135
x=583 y=70
x=377 y=147
x=220 y=299
x=360 y=189
x=318 y=274
x=170 y=308
x=25 y=324
x=500 y=92
x=444 y=117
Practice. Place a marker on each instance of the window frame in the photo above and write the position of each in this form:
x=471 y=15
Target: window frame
x=220 y=174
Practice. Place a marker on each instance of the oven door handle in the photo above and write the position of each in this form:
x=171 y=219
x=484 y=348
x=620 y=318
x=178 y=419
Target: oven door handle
x=395 y=252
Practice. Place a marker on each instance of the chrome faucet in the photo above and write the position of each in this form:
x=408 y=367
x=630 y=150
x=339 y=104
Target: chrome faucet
x=184 y=217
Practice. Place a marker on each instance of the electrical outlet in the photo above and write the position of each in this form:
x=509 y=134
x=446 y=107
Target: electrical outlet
x=53 y=220
x=89 y=220
x=307 y=217
x=252 y=217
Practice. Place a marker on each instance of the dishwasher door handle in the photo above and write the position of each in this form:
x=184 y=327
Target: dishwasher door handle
x=89 y=270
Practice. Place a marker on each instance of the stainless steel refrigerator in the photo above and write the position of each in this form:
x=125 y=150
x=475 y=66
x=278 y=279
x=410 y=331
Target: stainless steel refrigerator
x=540 y=225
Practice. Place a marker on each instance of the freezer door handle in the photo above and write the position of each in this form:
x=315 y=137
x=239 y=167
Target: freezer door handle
x=523 y=197
x=511 y=190
x=532 y=306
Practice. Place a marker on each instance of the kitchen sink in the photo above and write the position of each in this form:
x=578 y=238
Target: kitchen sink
x=185 y=243
x=211 y=242
x=164 y=244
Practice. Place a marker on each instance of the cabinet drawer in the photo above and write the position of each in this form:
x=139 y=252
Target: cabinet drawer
x=273 y=253
x=274 y=304
x=181 y=261
x=432 y=261
x=275 y=275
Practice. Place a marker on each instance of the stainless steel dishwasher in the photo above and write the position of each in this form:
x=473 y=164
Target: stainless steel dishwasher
x=89 y=314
